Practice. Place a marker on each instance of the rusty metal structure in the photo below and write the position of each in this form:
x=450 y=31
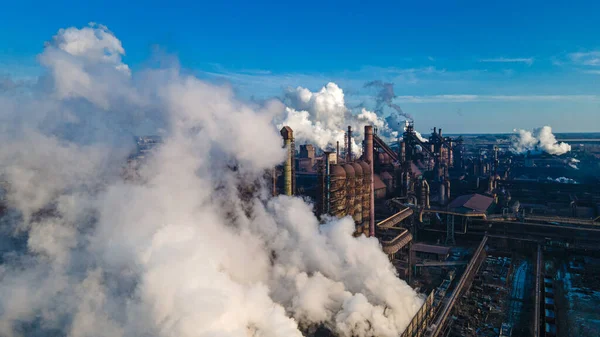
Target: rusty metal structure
x=358 y=192
x=350 y=189
x=337 y=193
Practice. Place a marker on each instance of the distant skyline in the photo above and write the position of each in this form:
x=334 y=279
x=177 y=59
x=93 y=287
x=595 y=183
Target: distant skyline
x=477 y=67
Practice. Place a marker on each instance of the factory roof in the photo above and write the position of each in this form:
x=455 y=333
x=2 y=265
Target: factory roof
x=377 y=182
x=472 y=202
x=425 y=248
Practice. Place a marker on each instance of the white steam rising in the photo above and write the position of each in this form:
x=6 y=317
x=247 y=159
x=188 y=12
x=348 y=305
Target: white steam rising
x=195 y=248
x=322 y=118
x=541 y=139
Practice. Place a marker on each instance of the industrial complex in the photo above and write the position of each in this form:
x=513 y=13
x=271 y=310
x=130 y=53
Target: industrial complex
x=499 y=243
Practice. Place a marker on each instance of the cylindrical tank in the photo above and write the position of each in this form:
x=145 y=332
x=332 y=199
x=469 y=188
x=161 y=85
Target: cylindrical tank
x=447 y=184
x=337 y=195
x=358 y=192
x=350 y=189
x=366 y=195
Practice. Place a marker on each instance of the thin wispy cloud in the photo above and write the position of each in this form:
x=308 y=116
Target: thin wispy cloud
x=592 y=72
x=495 y=98
x=586 y=58
x=526 y=60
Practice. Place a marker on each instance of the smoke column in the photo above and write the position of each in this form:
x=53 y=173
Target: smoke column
x=385 y=97
x=540 y=139
x=195 y=247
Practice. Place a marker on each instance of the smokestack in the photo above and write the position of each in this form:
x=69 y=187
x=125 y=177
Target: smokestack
x=288 y=138
x=440 y=132
x=434 y=130
x=349 y=143
x=337 y=151
x=369 y=160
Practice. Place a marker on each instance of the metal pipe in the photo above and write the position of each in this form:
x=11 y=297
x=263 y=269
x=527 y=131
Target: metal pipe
x=427 y=191
x=288 y=137
x=369 y=160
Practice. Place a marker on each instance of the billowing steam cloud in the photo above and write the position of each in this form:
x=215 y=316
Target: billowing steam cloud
x=540 y=139
x=194 y=247
x=321 y=118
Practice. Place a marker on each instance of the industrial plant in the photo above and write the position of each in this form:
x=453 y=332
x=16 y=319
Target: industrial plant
x=494 y=239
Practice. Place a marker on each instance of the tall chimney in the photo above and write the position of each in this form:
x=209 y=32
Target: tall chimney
x=288 y=137
x=440 y=132
x=349 y=144
x=337 y=151
x=369 y=160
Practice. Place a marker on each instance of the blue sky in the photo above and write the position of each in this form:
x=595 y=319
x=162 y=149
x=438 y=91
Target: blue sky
x=467 y=66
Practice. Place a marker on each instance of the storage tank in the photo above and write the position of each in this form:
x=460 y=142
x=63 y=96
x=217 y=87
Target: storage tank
x=350 y=189
x=337 y=195
x=358 y=193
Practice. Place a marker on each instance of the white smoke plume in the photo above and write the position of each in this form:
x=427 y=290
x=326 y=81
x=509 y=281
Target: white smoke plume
x=322 y=118
x=195 y=247
x=539 y=140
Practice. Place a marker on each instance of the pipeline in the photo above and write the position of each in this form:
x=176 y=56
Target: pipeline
x=483 y=216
